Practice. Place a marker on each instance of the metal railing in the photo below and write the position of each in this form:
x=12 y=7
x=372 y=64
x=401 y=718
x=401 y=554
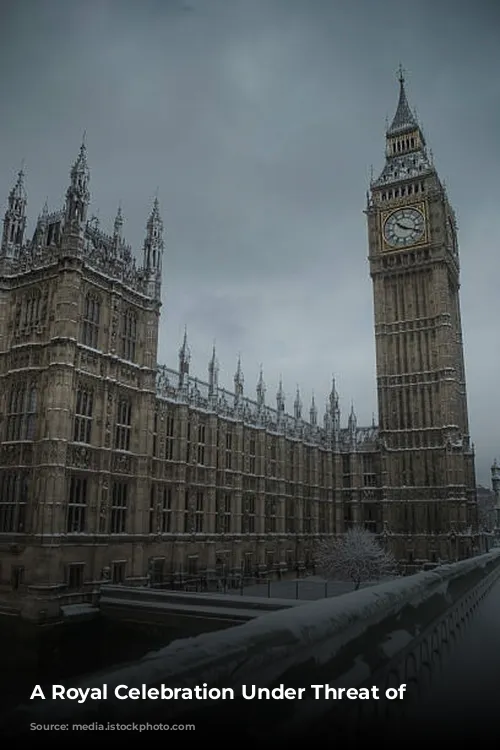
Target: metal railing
x=287 y=587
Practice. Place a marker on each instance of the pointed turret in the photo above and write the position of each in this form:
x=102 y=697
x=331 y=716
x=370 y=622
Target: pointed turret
x=153 y=250
x=14 y=223
x=184 y=360
x=261 y=390
x=280 y=399
x=213 y=375
x=313 y=413
x=77 y=194
x=297 y=406
x=352 y=424
x=238 y=383
x=334 y=410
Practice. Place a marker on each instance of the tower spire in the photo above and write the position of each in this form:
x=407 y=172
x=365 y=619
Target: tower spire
x=213 y=374
x=153 y=249
x=404 y=119
x=261 y=390
x=184 y=360
x=238 y=382
x=313 y=412
x=297 y=405
x=77 y=194
x=280 y=399
x=14 y=222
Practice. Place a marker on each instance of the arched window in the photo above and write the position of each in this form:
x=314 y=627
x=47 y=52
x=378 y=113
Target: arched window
x=82 y=431
x=77 y=505
x=32 y=307
x=123 y=425
x=13 y=502
x=21 y=412
x=91 y=320
x=129 y=335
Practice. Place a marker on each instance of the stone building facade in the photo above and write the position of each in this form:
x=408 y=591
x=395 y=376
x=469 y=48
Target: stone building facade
x=113 y=465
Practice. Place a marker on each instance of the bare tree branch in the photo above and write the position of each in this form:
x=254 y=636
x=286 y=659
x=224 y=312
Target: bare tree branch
x=357 y=556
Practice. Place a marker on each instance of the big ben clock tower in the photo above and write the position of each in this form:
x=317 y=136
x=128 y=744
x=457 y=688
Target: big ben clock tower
x=428 y=478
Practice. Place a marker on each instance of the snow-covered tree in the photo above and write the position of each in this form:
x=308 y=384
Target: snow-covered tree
x=357 y=556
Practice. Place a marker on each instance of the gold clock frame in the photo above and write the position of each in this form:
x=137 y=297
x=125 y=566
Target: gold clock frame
x=384 y=216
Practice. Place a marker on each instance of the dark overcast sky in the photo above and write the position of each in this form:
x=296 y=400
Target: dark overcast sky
x=258 y=121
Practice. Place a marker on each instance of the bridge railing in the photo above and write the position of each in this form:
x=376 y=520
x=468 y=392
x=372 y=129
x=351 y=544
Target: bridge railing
x=383 y=635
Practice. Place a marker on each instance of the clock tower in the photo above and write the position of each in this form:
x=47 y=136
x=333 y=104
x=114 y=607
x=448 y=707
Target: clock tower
x=428 y=477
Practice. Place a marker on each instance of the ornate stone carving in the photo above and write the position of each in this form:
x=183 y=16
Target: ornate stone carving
x=80 y=457
x=122 y=464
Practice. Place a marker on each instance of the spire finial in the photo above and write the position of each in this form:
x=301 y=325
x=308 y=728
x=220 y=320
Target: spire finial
x=84 y=138
x=401 y=75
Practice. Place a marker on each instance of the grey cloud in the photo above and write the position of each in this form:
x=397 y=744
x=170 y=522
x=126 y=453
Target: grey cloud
x=258 y=120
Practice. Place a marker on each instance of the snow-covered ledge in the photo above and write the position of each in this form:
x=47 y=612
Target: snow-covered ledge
x=340 y=640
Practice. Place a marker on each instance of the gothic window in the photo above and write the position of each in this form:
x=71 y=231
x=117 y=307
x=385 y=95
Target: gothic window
x=32 y=309
x=13 y=502
x=75 y=576
x=91 y=320
x=201 y=444
x=169 y=442
x=270 y=520
x=166 y=510
x=119 y=499
x=17 y=576
x=188 y=443
x=83 y=415
x=346 y=470
x=249 y=514
x=228 y=450
x=225 y=514
x=118 y=571
x=152 y=509
x=307 y=521
x=252 y=455
x=129 y=335
x=77 y=505
x=200 y=510
x=187 y=513
x=160 y=510
x=123 y=425
x=155 y=435
x=323 y=518
x=290 y=521
x=21 y=412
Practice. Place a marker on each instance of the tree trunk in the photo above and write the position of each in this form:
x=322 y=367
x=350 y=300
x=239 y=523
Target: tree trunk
x=357 y=585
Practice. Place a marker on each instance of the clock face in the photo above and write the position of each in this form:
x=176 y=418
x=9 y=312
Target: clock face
x=404 y=227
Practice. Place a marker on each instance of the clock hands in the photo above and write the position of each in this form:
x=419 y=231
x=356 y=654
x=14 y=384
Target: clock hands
x=403 y=226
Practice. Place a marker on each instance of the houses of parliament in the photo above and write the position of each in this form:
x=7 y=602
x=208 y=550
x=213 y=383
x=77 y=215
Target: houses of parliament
x=115 y=466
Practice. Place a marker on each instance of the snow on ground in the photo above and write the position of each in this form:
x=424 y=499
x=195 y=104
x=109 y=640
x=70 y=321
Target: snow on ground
x=306 y=589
